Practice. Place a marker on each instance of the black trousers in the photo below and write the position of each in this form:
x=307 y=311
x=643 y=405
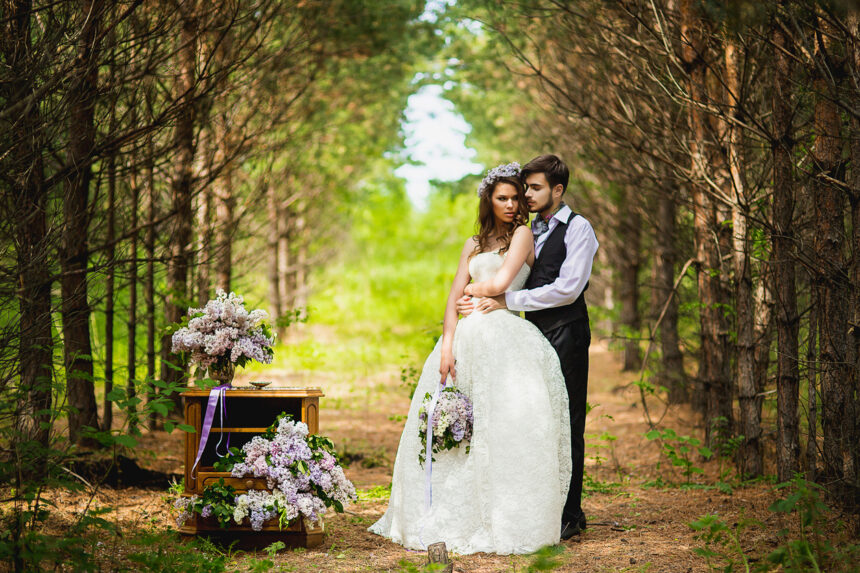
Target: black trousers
x=571 y=342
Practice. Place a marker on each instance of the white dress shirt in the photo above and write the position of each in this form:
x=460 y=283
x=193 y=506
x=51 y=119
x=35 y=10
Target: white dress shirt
x=581 y=244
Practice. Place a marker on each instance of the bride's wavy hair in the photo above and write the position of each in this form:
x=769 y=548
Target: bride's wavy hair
x=486 y=223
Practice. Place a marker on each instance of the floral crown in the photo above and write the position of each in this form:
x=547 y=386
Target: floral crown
x=503 y=170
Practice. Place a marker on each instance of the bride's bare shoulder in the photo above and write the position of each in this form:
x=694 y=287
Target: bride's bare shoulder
x=524 y=231
x=470 y=245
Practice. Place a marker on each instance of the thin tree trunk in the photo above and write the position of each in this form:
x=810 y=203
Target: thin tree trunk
x=76 y=311
x=149 y=277
x=224 y=192
x=763 y=307
x=629 y=226
x=673 y=359
x=224 y=213
x=284 y=289
x=714 y=390
x=831 y=276
x=787 y=376
x=172 y=367
x=204 y=226
x=107 y=417
x=272 y=244
x=302 y=241
x=131 y=389
x=854 y=341
x=749 y=456
x=204 y=245
x=691 y=50
x=23 y=165
x=812 y=395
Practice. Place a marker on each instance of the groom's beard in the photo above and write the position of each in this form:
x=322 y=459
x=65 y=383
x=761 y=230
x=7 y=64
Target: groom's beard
x=540 y=208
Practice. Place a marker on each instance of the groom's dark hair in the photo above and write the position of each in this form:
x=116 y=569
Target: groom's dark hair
x=551 y=166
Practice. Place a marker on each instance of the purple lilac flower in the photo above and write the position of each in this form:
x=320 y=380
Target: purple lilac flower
x=292 y=490
x=452 y=418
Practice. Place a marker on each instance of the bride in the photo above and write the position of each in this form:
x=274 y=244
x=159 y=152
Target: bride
x=506 y=495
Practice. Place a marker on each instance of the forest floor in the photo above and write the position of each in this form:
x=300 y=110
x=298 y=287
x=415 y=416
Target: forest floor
x=632 y=524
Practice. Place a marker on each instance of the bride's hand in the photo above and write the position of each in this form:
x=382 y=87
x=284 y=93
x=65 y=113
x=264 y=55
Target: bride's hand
x=447 y=367
x=465 y=305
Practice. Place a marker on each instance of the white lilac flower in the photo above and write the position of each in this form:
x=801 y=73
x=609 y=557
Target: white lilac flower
x=224 y=331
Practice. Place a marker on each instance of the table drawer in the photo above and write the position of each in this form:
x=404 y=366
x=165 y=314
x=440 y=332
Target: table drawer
x=241 y=484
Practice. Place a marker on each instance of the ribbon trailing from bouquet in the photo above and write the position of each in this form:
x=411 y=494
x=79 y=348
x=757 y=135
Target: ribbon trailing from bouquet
x=428 y=451
x=217 y=395
x=428 y=458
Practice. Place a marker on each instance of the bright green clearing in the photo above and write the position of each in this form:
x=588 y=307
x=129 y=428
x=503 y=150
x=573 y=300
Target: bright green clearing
x=379 y=304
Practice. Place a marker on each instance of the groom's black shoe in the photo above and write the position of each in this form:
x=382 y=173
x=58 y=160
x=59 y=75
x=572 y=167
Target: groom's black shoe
x=571 y=528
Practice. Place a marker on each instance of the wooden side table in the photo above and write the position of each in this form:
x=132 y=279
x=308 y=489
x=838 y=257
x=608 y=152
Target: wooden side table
x=249 y=412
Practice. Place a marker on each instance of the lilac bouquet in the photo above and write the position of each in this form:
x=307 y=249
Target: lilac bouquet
x=301 y=472
x=223 y=334
x=452 y=421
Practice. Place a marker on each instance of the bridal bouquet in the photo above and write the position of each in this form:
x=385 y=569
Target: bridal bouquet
x=452 y=421
x=223 y=334
x=301 y=471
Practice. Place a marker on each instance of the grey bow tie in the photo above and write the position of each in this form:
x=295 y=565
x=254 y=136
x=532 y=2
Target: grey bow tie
x=539 y=226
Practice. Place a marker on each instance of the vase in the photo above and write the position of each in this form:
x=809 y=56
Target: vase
x=222 y=374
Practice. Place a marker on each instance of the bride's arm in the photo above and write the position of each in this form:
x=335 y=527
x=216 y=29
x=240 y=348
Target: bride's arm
x=522 y=244
x=461 y=279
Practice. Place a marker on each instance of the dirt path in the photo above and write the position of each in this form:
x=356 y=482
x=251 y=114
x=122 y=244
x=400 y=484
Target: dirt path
x=631 y=527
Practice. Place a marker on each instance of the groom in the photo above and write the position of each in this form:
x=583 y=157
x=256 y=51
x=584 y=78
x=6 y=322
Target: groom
x=553 y=299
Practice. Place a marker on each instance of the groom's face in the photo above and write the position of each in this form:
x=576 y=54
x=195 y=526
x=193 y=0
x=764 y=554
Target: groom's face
x=540 y=197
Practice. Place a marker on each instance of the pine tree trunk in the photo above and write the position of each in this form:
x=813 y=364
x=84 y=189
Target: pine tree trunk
x=110 y=281
x=691 y=50
x=713 y=390
x=284 y=273
x=812 y=394
x=77 y=346
x=131 y=325
x=629 y=226
x=149 y=277
x=22 y=164
x=854 y=328
x=272 y=244
x=763 y=308
x=224 y=193
x=224 y=213
x=783 y=259
x=176 y=301
x=674 y=377
x=749 y=456
x=204 y=224
x=302 y=240
x=831 y=274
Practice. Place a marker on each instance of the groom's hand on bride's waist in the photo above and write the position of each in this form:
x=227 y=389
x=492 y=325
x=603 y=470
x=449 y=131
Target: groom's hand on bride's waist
x=491 y=303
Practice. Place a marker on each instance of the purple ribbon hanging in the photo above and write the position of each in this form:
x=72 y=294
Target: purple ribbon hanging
x=216 y=395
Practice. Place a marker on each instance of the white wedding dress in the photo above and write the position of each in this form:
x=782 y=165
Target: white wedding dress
x=506 y=495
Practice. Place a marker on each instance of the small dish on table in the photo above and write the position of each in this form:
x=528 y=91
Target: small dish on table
x=260 y=384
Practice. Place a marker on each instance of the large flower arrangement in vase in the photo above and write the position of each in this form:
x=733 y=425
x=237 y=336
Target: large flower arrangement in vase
x=223 y=335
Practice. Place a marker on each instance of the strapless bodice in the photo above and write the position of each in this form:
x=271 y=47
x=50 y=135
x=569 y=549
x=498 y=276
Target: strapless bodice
x=484 y=267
